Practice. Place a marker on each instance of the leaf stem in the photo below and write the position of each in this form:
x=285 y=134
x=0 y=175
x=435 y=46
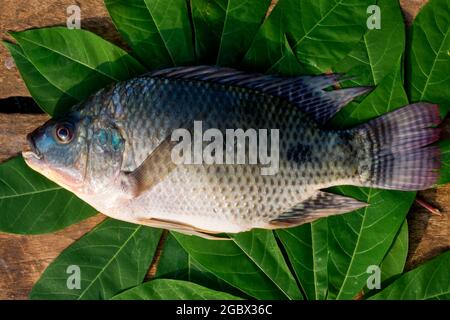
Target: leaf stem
x=428 y=207
x=157 y=257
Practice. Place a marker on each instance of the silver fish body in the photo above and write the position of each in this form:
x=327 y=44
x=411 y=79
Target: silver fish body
x=126 y=129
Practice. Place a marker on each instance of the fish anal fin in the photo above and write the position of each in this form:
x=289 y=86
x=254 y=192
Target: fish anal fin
x=320 y=205
x=179 y=227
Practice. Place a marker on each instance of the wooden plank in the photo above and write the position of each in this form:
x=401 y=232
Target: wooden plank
x=429 y=234
x=24 y=258
x=13 y=131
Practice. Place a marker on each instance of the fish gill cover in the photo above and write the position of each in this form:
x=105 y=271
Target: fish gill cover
x=327 y=259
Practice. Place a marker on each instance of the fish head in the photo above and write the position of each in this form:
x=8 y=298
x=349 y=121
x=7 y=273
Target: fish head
x=57 y=150
x=78 y=152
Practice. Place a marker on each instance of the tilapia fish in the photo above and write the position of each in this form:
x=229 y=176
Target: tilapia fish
x=116 y=150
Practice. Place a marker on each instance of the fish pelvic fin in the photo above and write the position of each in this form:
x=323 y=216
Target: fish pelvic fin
x=320 y=205
x=305 y=92
x=181 y=228
x=394 y=150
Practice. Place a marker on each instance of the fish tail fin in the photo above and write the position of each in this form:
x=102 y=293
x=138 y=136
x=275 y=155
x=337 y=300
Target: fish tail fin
x=394 y=150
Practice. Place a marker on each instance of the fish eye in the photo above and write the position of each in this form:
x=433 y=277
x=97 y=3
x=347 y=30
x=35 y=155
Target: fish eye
x=64 y=133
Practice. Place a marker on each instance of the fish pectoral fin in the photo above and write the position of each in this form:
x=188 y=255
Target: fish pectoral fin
x=321 y=204
x=180 y=227
x=158 y=165
x=152 y=170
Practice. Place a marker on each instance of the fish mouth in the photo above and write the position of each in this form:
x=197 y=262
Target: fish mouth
x=32 y=151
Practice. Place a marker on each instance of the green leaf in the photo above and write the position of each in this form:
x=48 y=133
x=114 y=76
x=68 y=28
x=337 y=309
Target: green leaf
x=307 y=249
x=373 y=64
x=76 y=62
x=289 y=65
x=158 y=31
x=429 y=281
x=224 y=29
x=261 y=247
x=176 y=263
x=251 y=262
x=444 y=145
x=111 y=258
x=379 y=52
x=167 y=289
x=394 y=261
x=49 y=97
x=32 y=204
x=387 y=96
x=428 y=55
x=362 y=238
x=319 y=32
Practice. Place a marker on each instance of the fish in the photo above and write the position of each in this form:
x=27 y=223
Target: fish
x=115 y=150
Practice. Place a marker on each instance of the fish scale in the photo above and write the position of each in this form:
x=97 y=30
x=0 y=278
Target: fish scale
x=119 y=159
x=240 y=196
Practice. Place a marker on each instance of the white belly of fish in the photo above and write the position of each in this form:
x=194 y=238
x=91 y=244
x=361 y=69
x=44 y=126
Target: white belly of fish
x=222 y=198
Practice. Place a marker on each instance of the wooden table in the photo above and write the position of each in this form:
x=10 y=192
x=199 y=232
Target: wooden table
x=24 y=258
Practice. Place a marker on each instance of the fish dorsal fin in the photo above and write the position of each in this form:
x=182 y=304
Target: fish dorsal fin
x=306 y=92
x=321 y=204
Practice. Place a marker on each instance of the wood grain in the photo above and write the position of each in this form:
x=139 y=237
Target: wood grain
x=24 y=258
x=429 y=234
x=13 y=131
